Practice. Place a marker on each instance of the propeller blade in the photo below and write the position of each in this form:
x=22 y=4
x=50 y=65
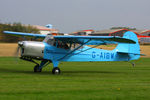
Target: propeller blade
x=16 y=54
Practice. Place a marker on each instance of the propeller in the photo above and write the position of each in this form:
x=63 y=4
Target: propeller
x=18 y=51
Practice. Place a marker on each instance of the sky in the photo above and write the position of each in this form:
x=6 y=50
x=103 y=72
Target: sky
x=72 y=15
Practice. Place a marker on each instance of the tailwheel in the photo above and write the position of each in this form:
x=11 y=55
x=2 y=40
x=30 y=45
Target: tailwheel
x=36 y=68
x=56 y=70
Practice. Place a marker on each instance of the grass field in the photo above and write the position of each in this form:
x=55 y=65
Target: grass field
x=78 y=81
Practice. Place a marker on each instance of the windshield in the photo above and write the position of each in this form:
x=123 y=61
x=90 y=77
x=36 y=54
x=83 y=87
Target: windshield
x=49 y=39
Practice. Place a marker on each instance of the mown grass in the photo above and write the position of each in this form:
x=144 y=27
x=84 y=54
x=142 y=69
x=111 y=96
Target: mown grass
x=78 y=81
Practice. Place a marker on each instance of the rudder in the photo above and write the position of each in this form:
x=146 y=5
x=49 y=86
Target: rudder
x=133 y=50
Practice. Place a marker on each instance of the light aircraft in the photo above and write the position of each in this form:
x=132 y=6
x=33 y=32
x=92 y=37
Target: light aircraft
x=56 y=49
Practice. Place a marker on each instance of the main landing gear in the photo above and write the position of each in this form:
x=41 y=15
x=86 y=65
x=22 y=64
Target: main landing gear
x=38 y=67
x=56 y=70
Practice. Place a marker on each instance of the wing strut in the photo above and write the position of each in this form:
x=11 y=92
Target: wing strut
x=74 y=50
x=90 y=48
x=87 y=49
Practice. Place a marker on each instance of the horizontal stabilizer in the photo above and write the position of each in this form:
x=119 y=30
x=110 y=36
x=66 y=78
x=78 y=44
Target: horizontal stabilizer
x=131 y=53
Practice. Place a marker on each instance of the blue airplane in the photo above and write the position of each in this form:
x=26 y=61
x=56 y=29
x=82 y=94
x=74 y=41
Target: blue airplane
x=56 y=49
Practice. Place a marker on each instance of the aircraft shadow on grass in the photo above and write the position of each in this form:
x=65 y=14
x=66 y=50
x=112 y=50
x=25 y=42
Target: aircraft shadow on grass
x=3 y=70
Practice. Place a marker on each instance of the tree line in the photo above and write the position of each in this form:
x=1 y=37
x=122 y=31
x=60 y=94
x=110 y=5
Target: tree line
x=16 y=27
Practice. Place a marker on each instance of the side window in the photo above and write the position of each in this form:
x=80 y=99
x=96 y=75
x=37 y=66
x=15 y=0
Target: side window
x=75 y=45
x=51 y=41
x=62 y=45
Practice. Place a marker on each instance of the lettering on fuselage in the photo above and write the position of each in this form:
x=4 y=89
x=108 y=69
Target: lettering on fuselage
x=103 y=55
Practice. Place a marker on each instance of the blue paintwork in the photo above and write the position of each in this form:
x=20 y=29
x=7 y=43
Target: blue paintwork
x=123 y=52
x=128 y=48
x=25 y=34
x=94 y=40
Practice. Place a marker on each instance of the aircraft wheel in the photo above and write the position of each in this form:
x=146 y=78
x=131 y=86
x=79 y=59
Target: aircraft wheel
x=36 y=68
x=56 y=70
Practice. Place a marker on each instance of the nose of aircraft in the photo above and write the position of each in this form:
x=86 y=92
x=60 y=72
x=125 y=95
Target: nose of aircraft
x=20 y=43
x=19 y=49
x=32 y=49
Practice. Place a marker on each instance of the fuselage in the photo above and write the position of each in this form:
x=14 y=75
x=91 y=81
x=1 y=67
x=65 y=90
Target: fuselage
x=82 y=55
x=42 y=50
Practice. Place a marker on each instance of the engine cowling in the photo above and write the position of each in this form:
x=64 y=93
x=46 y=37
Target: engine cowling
x=32 y=49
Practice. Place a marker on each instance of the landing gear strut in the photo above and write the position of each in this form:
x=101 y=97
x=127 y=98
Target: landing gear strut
x=44 y=62
x=36 y=68
x=56 y=70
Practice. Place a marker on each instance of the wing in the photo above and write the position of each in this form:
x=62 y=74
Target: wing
x=24 y=34
x=93 y=40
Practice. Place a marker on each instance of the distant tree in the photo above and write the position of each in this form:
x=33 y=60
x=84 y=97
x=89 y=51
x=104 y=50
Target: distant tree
x=17 y=27
x=123 y=28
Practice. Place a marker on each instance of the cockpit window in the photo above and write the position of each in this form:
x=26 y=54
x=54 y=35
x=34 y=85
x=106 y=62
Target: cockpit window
x=59 y=44
x=49 y=39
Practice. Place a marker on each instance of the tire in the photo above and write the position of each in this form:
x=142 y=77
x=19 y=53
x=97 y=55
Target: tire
x=56 y=71
x=36 y=68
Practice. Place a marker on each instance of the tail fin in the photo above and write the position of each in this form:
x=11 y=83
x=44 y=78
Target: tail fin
x=133 y=50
